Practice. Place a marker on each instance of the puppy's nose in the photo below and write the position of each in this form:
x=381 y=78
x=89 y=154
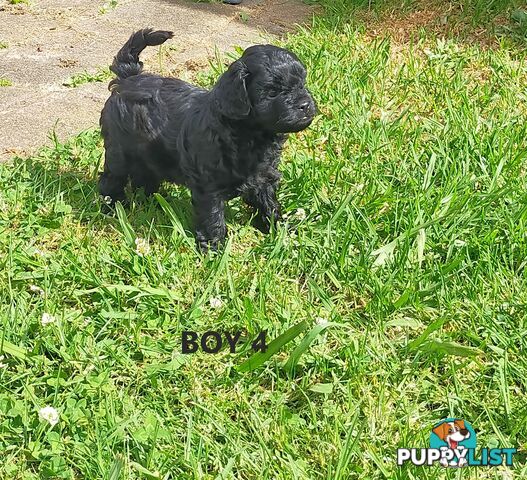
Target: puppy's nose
x=308 y=108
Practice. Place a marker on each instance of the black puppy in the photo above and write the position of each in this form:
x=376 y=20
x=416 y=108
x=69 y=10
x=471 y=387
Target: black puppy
x=221 y=143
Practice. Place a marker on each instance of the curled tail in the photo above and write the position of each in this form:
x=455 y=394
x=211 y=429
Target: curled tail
x=126 y=63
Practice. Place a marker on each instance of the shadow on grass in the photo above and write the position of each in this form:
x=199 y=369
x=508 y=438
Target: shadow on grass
x=63 y=180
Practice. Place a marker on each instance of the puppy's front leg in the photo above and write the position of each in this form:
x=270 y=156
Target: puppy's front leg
x=263 y=199
x=113 y=180
x=209 y=218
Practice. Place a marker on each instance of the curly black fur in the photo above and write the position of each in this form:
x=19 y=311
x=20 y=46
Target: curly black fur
x=221 y=143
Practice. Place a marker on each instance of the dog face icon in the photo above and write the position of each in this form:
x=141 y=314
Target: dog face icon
x=452 y=433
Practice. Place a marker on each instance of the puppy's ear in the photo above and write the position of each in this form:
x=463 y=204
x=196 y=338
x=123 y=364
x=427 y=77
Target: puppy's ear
x=230 y=93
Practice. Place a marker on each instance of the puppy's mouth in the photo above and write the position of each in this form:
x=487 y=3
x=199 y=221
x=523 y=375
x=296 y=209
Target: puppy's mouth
x=304 y=123
x=297 y=125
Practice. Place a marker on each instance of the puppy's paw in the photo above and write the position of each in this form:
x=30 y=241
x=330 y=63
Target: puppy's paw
x=209 y=245
x=206 y=248
x=107 y=203
x=264 y=222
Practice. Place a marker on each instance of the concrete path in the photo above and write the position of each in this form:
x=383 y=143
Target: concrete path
x=45 y=42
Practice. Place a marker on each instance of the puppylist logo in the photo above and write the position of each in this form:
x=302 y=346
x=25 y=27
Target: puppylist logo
x=453 y=444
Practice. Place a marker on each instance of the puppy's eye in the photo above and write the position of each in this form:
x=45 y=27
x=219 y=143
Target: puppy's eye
x=274 y=93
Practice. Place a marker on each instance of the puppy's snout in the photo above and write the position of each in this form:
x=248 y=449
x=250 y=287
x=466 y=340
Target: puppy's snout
x=308 y=107
x=463 y=432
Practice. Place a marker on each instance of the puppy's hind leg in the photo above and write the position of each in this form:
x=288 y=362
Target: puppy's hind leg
x=148 y=182
x=113 y=180
x=209 y=219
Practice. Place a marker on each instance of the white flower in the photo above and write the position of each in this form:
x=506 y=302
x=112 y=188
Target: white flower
x=2 y=365
x=36 y=289
x=459 y=243
x=300 y=214
x=49 y=414
x=142 y=248
x=107 y=199
x=321 y=321
x=216 y=302
x=39 y=252
x=47 y=319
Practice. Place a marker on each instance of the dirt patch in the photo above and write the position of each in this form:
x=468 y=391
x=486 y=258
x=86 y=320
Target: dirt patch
x=440 y=19
x=49 y=41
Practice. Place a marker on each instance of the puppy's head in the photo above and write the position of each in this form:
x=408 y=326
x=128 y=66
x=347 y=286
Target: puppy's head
x=267 y=86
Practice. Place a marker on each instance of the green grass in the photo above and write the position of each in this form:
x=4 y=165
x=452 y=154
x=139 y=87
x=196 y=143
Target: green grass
x=3 y=45
x=108 y=6
x=5 y=82
x=412 y=243
x=102 y=74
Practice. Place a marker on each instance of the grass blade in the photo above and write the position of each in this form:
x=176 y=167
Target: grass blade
x=259 y=358
x=142 y=291
x=346 y=451
x=430 y=329
x=384 y=254
x=213 y=277
x=449 y=348
x=13 y=350
x=303 y=346
x=174 y=220
x=127 y=229
x=144 y=471
x=117 y=466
